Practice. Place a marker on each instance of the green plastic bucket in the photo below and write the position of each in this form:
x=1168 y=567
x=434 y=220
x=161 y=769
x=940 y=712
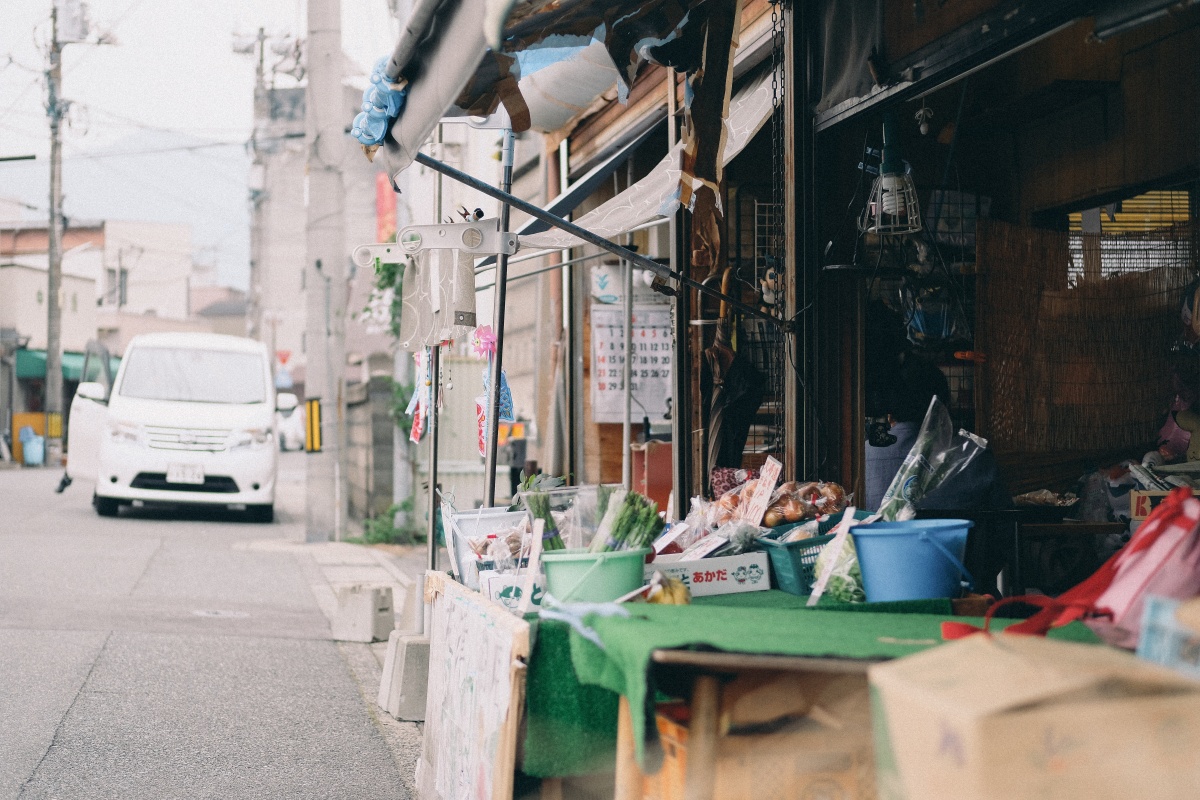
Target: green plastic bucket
x=577 y=576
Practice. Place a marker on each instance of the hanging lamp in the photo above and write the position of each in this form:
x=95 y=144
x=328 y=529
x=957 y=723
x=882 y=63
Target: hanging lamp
x=892 y=209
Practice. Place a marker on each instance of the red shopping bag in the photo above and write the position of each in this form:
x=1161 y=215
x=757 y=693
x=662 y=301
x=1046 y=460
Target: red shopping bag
x=1162 y=558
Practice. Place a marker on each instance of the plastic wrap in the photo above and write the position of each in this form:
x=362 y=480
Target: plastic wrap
x=938 y=454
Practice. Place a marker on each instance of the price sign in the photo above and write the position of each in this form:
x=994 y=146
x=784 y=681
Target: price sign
x=652 y=357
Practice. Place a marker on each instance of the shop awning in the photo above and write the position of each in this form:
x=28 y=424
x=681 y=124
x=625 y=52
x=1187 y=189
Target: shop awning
x=447 y=67
x=31 y=364
x=657 y=194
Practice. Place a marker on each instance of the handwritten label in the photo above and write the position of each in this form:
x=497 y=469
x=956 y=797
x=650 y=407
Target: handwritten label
x=768 y=476
x=706 y=546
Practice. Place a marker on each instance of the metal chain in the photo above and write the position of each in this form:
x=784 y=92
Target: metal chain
x=778 y=132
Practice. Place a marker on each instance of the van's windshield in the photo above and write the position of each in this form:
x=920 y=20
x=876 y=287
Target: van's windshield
x=196 y=376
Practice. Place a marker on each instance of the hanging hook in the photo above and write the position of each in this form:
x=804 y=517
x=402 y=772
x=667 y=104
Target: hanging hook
x=923 y=115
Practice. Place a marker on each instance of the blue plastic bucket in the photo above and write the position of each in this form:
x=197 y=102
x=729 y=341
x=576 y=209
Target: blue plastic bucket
x=918 y=559
x=33 y=451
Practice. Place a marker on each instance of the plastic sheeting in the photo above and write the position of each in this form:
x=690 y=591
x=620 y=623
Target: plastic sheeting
x=657 y=195
x=426 y=320
x=450 y=70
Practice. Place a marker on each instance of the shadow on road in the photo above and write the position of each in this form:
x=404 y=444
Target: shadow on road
x=187 y=514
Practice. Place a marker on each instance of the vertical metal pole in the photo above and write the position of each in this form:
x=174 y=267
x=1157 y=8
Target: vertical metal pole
x=431 y=382
x=54 y=387
x=568 y=327
x=681 y=413
x=432 y=378
x=494 y=371
x=627 y=421
x=630 y=359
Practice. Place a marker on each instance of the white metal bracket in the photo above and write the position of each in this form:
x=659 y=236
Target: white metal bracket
x=479 y=238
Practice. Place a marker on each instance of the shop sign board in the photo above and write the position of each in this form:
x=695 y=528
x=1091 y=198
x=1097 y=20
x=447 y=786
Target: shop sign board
x=477 y=653
x=748 y=572
x=1142 y=502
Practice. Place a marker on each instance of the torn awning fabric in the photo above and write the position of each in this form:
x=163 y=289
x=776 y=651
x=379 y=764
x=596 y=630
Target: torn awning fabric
x=444 y=66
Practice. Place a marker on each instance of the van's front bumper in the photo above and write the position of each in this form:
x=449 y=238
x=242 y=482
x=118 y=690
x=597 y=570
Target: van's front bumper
x=134 y=472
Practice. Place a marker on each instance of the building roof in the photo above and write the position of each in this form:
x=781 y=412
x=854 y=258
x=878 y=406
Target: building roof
x=231 y=307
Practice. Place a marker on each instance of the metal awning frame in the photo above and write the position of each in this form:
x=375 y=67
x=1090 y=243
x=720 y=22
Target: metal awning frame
x=635 y=259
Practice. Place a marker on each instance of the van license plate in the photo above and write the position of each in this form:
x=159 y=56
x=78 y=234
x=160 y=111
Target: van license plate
x=185 y=473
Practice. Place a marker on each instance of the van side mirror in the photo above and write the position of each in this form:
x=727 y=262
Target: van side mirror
x=93 y=390
x=286 y=401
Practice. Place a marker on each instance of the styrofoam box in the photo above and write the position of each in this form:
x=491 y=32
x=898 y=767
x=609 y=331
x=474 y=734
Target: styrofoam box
x=748 y=572
x=1165 y=641
x=506 y=588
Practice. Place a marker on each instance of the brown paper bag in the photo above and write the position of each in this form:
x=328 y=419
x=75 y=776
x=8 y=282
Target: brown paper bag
x=1007 y=717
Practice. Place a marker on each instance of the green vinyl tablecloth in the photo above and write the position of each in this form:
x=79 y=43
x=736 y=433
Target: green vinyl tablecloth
x=573 y=686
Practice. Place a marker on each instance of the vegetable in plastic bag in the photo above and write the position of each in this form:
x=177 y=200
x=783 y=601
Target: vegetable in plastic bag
x=845 y=582
x=937 y=455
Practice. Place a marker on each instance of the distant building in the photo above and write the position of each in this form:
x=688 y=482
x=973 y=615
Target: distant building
x=225 y=315
x=120 y=279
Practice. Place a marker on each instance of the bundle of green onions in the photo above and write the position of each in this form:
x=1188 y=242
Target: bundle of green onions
x=538 y=504
x=630 y=522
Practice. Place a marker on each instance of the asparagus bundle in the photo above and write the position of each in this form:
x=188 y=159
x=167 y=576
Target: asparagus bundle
x=630 y=522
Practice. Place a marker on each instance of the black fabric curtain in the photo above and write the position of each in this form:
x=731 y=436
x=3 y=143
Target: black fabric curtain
x=849 y=32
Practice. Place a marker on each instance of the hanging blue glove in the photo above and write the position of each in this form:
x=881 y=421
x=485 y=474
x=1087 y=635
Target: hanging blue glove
x=381 y=104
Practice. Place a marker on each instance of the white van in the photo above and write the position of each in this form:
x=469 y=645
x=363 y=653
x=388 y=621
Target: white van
x=189 y=419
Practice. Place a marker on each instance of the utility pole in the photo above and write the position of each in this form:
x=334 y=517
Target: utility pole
x=56 y=110
x=326 y=264
x=257 y=187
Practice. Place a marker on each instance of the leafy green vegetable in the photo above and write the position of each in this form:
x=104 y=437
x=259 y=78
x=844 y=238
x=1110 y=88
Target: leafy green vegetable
x=845 y=583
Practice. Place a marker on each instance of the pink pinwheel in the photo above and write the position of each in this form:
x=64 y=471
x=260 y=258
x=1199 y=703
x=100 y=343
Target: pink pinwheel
x=483 y=341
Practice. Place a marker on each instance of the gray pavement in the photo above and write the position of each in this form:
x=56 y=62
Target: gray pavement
x=169 y=655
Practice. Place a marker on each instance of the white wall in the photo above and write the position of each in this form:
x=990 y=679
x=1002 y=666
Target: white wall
x=158 y=258
x=23 y=306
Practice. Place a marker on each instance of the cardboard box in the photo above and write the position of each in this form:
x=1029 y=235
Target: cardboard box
x=1142 y=502
x=824 y=751
x=506 y=588
x=747 y=572
x=1003 y=717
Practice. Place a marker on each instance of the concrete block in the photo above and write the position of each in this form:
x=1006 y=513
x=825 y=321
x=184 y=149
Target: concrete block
x=405 y=677
x=412 y=613
x=364 y=613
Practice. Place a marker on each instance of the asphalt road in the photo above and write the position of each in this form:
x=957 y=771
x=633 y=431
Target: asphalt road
x=168 y=655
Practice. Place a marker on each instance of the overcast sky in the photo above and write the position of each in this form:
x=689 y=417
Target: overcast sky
x=172 y=72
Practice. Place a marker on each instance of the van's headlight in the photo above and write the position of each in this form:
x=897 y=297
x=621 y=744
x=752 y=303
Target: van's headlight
x=124 y=433
x=251 y=438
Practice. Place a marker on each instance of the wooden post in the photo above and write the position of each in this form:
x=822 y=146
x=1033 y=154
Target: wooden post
x=703 y=731
x=629 y=774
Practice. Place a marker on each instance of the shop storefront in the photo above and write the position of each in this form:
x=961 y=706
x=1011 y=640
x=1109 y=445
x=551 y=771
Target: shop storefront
x=984 y=202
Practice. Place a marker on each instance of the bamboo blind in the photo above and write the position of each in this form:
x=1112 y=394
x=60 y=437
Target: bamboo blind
x=1078 y=333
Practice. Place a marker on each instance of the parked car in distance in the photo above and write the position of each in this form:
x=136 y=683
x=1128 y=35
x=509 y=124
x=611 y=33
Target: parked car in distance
x=189 y=419
x=289 y=421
